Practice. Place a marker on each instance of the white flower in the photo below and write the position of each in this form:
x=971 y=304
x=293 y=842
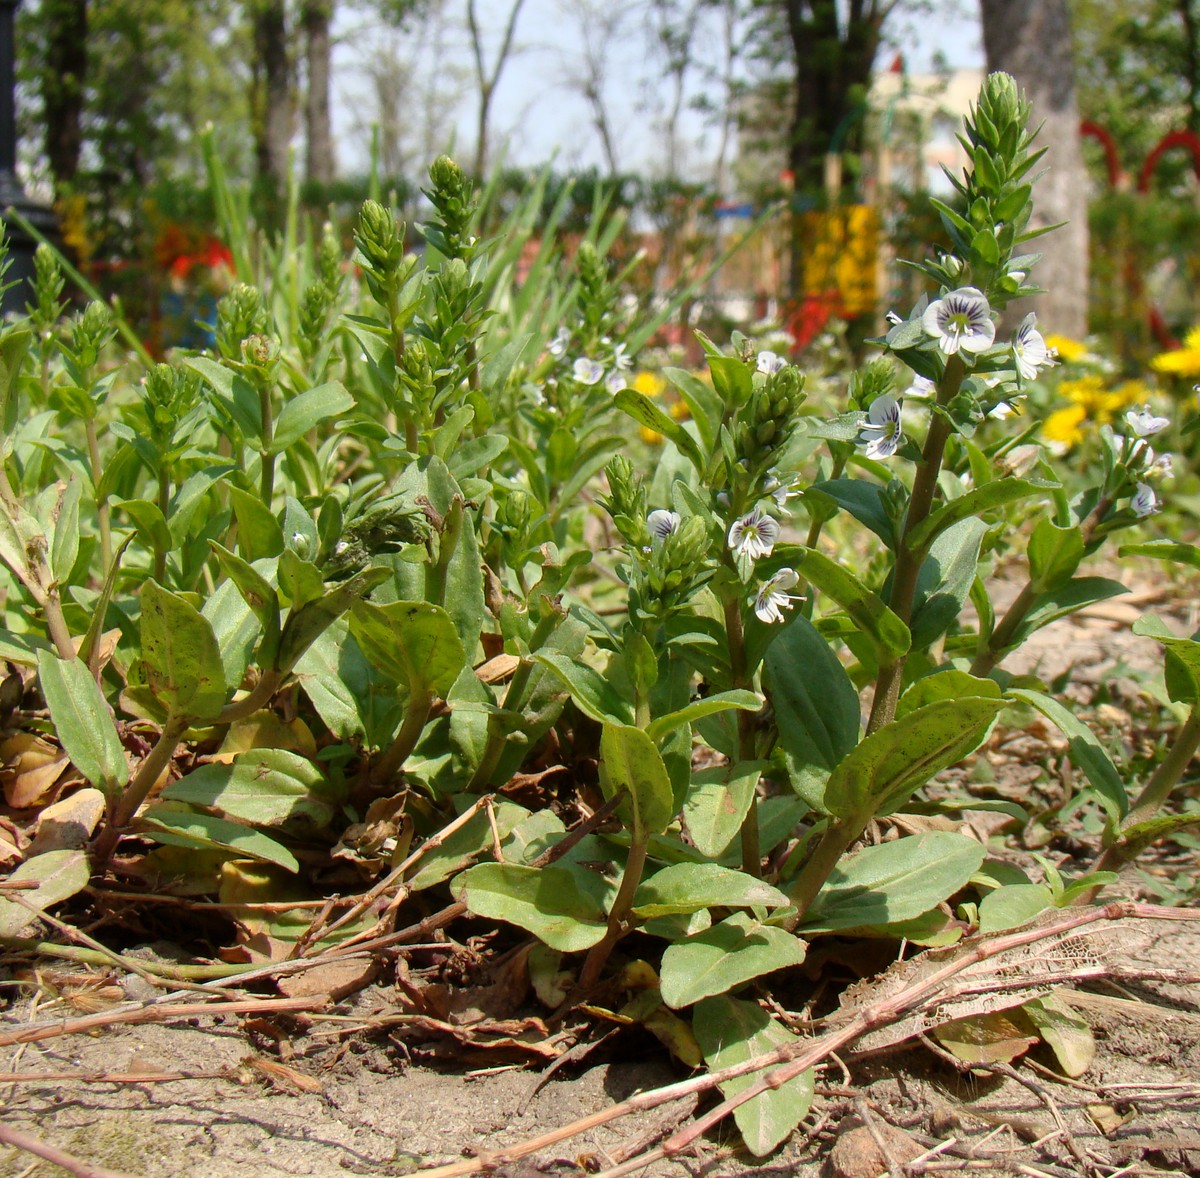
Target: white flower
x=882 y=434
x=1001 y=409
x=587 y=371
x=770 y=363
x=1160 y=467
x=1145 y=502
x=753 y=535
x=1029 y=349
x=1144 y=423
x=773 y=598
x=960 y=320
x=615 y=381
x=921 y=386
x=557 y=347
x=779 y=489
x=662 y=523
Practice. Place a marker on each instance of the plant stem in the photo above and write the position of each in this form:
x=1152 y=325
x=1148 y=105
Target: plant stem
x=416 y=716
x=103 y=516
x=1002 y=636
x=435 y=574
x=266 y=486
x=739 y=678
x=599 y=953
x=831 y=846
x=908 y=561
x=139 y=787
x=514 y=699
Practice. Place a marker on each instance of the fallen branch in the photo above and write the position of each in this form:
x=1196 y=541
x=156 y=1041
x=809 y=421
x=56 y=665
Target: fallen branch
x=50 y=1153
x=156 y=1013
x=80 y=1077
x=793 y=1059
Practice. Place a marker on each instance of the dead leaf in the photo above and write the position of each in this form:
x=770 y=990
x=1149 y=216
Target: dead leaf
x=382 y=838
x=987 y=1038
x=32 y=768
x=265 y=730
x=58 y=875
x=68 y=823
x=1107 y=1119
x=281 y=1076
x=1064 y=1032
x=498 y=669
x=336 y=979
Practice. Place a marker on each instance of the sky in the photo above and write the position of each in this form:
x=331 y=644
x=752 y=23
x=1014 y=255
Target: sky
x=538 y=113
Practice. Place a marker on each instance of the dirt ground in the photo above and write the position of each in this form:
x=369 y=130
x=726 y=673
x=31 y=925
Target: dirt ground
x=323 y=1097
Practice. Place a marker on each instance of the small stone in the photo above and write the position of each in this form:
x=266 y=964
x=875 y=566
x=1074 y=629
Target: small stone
x=856 y=1155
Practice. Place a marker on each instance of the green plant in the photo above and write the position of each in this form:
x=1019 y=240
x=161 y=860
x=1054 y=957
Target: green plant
x=362 y=559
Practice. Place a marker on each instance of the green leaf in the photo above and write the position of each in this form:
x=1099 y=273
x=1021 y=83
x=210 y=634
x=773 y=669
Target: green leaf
x=476 y=836
x=998 y=494
x=64 y=536
x=731 y=1031
x=594 y=696
x=82 y=721
x=721 y=701
x=945 y=580
x=886 y=632
x=258 y=532
x=20 y=534
x=179 y=826
x=307 y=410
x=724 y=957
x=351 y=697
x=1013 y=905
x=945 y=683
x=1064 y=1031
x=816 y=706
x=150 y=522
x=238 y=633
x=863 y=500
x=630 y=761
x=234 y=393
x=1182 y=659
x=414 y=643
x=1083 y=746
x=475 y=454
x=1136 y=838
x=702 y=401
x=646 y=413
x=888 y=766
x=1172 y=550
x=182 y=657
x=1054 y=553
x=304 y=626
x=717 y=804
x=14 y=347
x=894 y=881
x=259 y=595
x=59 y=875
x=563 y=905
x=263 y=786
x=688 y=887
x=1066 y=599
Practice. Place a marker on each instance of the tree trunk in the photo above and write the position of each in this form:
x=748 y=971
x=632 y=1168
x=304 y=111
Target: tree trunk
x=273 y=122
x=63 y=83
x=320 y=162
x=1031 y=39
x=833 y=53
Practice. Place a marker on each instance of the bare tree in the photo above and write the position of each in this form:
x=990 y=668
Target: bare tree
x=272 y=92
x=1031 y=39
x=600 y=24
x=487 y=80
x=316 y=18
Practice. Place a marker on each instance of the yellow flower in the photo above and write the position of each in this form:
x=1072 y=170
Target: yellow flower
x=649 y=436
x=1061 y=429
x=1182 y=362
x=649 y=383
x=1069 y=350
x=1132 y=392
x=1090 y=395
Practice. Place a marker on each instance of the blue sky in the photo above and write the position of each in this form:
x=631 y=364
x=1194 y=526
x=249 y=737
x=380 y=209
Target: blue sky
x=539 y=114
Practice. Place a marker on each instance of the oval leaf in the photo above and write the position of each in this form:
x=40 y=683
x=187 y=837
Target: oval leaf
x=688 y=887
x=724 y=957
x=563 y=905
x=894 y=882
x=731 y=1031
x=182 y=657
x=82 y=721
x=888 y=634
x=630 y=761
